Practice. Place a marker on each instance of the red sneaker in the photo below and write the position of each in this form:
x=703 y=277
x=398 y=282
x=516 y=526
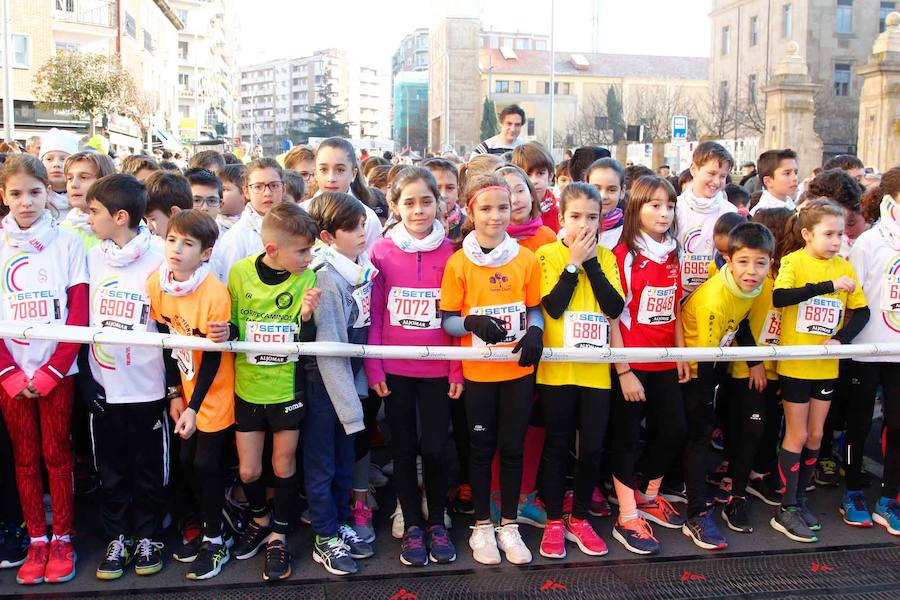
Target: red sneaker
x=32 y=571
x=553 y=542
x=581 y=532
x=61 y=565
x=659 y=511
x=599 y=506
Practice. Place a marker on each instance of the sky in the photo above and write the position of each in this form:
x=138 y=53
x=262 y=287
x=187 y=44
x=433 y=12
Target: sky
x=373 y=29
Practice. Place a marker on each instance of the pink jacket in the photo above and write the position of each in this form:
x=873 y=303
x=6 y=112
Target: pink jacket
x=419 y=271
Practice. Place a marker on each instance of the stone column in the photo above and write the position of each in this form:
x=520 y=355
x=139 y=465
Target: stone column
x=879 y=100
x=790 y=111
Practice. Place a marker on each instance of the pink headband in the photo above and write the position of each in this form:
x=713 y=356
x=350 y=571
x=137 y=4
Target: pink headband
x=483 y=190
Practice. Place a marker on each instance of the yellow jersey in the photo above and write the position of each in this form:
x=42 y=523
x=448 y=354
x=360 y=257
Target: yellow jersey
x=765 y=323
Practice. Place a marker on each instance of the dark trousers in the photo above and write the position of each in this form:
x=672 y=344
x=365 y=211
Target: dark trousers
x=698 y=408
x=747 y=422
x=203 y=458
x=872 y=374
x=766 y=451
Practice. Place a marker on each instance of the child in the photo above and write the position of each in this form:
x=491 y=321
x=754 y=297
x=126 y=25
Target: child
x=873 y=257
x=701 y=203
x=608 y=177
x=130 y=451
x=534 y=159
x=272 y=295
x=405 y=312
x=492 y=277
x=294 y=187
x=233 y=201
x=739 y=197
x=446 y=175
x=167 y=195
x=56 y=147
x=302 y=159
x=724 y=225
x=206 y=190
x=562 y=177
x=814 y=288
x=265 y=188
x=647 y=258
x=526 y=225
x=710 y=318
x=140 y=166
x=581 y=292
x=210 y=160
x=335 y=414
x=778 y=173
x=46 y=282
x=81 y=170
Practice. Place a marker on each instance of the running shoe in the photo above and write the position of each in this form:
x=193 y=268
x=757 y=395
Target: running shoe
x=61 y=564
x=827 y=473
x=332 y=554
x=148 y=557
x=251 y=540
x=808 y=516
x=674 y=493
x=553 y=541
x=789 y=521
x=636 y=535
x=15 y=546
x=659 y=511
x=703 y=532
x=854 y=510
x=412 y=548
x=361 y=521
x=532 y=511
x=760 y=489
x=715 y=478
x=119 y=554
x=211 y=557
x=461 y=499
x=188 y=552
x=887 y=514
x=440 y=549
x=34 y=568
x=483 y=542
x=723 y=492
x=736 y=515
x=278 y=561
x=358 y=547
x=581 y=532
x=599 y=506
x=510 y=541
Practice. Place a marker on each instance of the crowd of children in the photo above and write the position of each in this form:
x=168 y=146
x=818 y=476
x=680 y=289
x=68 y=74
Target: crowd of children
x=509 y=250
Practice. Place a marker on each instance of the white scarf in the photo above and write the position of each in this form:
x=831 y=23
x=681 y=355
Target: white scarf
x=888 y=225
x=226 y=222
x=767 y=200
x=703 y=205
x=506 y=251
x=130 y=252
x=181 y=288
x=251 y=219
x=34 y=239
x=78 y=219
x=60 y=201
x=400 y=236
x=355 y=273
x=658 y=252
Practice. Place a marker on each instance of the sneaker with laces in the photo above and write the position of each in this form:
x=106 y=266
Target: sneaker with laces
x=358 y=547
x=887 y=514
x=191 y=528
x=736 y=515
x=278 y=561
x=854 y=510
x=553 y=541
x=440 y=549
x=510 y=541
x=703 y=532
x=187 y=553
x=599 y=505
x=532 y=511
x=61 y=562
x=461 y=499
x=761 y=489
x=119 y=554
x=148 y=557
x=34 y=568
x=581 y=532
x=361 y=521
x=806 y=513
x=659 y=511
x=332 y=554
x=14 y=549
x=483 y=542
x=397 y=526
x=636 y=535
x=251 y=540
x=789 y=521
x=412 y=548
x=827 y=473
x=723 y=492
x=211 y=557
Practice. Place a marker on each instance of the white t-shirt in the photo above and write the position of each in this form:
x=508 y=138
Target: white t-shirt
x=609 y=239
x=695 y=235
x=767 y=200
x=877 y=267
x=35 y=291
x=241 y=241
x=128 y=374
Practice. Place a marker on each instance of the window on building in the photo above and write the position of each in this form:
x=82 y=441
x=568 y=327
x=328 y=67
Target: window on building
x=601 y=123
x=21 y=46
x=754 y=31
x=751 y=88
x=843 y=18
x=501 y=86
x=540 y=45
x=183 y=50
x=66 y=46
x=787 y=20
x=495 y=41
x=886 y=9
x=148 y=42
x=723 y=93
x=130 y=26
x=726 y=40
x=184 y=79
x=66 y=5
x=182 y=16
x=519 y=44
x=842 y=79
x=517 y=87
x=530 y=127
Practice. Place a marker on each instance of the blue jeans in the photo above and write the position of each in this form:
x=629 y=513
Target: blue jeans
x=328 y=457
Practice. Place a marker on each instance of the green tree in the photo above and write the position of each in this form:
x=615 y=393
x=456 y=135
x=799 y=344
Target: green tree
x=615 y=114
x=88 y=85
x=489 y=126
x=324 y=121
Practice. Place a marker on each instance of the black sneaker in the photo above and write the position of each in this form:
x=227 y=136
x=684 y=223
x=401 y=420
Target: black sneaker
x=209 y=562
x=808 y=516
x=148 y=557
x=188 y=551
x=789 y=522
x=249 y=542
x=14 y=549
x=119 y=554
x=673 y=493
x=736 y=515
x=761 y=489
x=278 y=561
x=826 y=473
x=355 y=544
x=235 y=513
x=332 y=554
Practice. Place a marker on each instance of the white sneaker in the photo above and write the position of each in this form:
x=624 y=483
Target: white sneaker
x=510 y=541
x=397 y=528
x=484 y=544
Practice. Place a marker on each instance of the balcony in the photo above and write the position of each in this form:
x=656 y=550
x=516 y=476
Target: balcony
x=101 y=13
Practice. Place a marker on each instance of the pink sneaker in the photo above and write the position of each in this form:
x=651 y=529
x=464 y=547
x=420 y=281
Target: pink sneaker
x=553 y=543
x=61 y=564
x=33 y=569
x=599 y=506
x=361 y=521
x=581 y=532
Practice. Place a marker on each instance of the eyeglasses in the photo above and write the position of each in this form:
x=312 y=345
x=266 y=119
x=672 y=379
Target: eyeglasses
x=307 y=176
x=210 y=201
x=273 y=186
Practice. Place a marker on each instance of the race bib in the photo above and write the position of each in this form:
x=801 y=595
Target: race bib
x=121 y=309
x=820 y=315
x=890 y=296
x=657 y=305
x=770 y=334
x=513 y=317
x=727 y=339
x=185 y=359
x=362 y=296
x=585 y=330
x=415 y=308
x=270 y=333
x=35 y=306
x=695 y=269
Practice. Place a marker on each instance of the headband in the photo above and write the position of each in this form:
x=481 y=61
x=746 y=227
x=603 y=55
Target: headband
x=480 y=191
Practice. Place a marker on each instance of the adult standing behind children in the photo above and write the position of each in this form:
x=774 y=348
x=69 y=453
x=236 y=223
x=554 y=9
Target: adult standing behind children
x=511 y=120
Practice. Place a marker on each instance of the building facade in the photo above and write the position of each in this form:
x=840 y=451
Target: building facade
x=410 y=110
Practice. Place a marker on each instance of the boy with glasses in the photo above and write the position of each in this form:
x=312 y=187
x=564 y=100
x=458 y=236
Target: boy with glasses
x=206 y=190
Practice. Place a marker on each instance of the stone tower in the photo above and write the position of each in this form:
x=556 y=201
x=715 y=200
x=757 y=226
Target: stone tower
x=879 y=101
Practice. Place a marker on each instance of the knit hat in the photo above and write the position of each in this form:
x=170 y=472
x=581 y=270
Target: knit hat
x=57 y=140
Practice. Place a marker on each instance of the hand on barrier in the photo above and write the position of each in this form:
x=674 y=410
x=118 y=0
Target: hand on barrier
x=531 y=346
x=489 y=329
x=217 y=331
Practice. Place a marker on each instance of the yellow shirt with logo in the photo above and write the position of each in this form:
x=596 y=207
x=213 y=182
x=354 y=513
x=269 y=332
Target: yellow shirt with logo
x=765 y=323
x=582 y=325
x=815 y=320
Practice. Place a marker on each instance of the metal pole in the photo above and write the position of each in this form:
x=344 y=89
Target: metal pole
x=447 y=93
x=8 y=125
x=552 y=75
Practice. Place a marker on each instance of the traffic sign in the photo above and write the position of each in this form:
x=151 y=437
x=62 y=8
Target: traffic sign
x=679 y=128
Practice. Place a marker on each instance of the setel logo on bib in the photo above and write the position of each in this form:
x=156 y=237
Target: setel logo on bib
x=819 y=316
x=415 y=308
x=585 y=330
x=121 y=309
x=513 y=317
x=270 y=333
x=657 y=305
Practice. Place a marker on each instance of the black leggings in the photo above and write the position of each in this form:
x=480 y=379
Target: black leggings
x=666 y=428
x=747 y=419
x=567 y=408
x=202 y=460
x=837 y=419
x=362 y=443
x=498 y=414
x=870 y=374
x=427 y=435
x=766 y=451
x=461 y=437
x=698 y=405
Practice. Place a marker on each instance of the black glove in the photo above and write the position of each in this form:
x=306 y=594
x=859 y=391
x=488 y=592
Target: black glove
x=489 y=329
x=532 y=347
